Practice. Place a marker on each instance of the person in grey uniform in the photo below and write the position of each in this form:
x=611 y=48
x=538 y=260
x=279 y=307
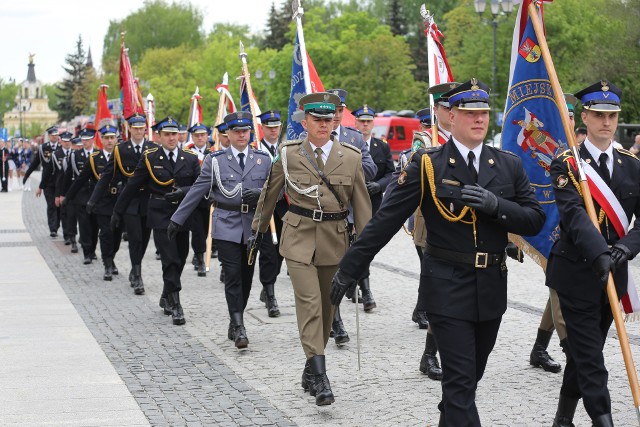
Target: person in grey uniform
x=234 y=178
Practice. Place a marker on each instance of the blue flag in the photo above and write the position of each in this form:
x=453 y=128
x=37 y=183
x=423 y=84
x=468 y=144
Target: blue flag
x=294 y=127
x=532 y=126
x=245 y=105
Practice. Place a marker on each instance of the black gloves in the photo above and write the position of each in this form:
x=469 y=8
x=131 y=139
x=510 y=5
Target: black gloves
x=340 y=285
x=250 y=196
x=514 y=252
x=91 y=207
x=602 y=265
x=480 y=199
x=175 y=196
x=620 y=254
x=373 y=188
x=64 y=202
x=253 y=244
x=116 y=219
x=172 y=230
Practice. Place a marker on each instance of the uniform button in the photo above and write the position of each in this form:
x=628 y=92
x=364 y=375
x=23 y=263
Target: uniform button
x=321 y=182
x=504 y=217
x=321 y=193
x=450 y=192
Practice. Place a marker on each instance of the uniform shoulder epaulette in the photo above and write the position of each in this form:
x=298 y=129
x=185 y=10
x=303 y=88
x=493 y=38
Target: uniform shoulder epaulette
x=150 y=150
x=626 y=153
x=431 y=149
x=347 y=145
x=566 y=153
x=95 y=153
x=292 y=142
x=187 y=150
x=500 y=150
x=258 y=151
x=218 y=153
x=354 y=129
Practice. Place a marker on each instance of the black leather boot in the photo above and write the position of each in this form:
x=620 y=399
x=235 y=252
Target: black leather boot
x=164 y=304
x=420 y=317
x=271 y=302
x=87 y=259
x=138 y=284
x=320 y=387
x=114 y=269
x=202 y=267
x=307 y=378
x=131 y=280
x=429 y=363
x=565 y=412
x=263 y=296
x=74 y=245
x=368 y=302
x=177 y=314
x=339 y=333
x=603 y=421
x=221 y=274
x=539 y=356
x=108 y=269
x=195 y=261
x=238 y=331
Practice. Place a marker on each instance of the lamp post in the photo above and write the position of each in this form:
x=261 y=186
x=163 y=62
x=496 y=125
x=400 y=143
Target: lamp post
x=267 y=83
x=20 y=114
x=498 y=16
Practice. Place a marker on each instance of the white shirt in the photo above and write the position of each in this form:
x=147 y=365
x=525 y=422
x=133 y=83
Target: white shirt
x=87 y=153
x=595 y=153
x=267 y=144
x=368 y=142
x=106 y=154
x=326 y=149
x=464 y=151
x=235 y=153
x=136 y=144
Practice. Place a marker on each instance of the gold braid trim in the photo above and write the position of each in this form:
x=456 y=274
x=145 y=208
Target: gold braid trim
x=119 y=163
x=93 y=165
x=150 y=169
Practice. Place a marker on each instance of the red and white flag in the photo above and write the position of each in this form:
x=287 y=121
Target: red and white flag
x=223 y=88
x=439 y=70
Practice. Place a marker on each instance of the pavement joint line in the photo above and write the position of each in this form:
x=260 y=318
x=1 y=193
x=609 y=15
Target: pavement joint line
x=16 y=244
x=13 y=230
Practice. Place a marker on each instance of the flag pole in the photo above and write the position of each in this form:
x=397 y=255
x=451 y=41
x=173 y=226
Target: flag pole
x=588 y=201
x=223 y=100
x=427 y=18
x=150 y=116
x=298 y=11
x=193 y=112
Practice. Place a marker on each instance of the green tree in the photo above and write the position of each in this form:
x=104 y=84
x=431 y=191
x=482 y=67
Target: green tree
x=277 y=27
x=74 y=96
x=156 y=25
x=396 y=19
x=8 y=91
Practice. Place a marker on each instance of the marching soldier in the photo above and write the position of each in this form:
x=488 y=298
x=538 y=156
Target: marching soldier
x=321 y=178
x=182 y=135
x=44 y=158
x=381 y=155
x=103 y=207
x=167 y=172
x=4 y=166
x=351 y=136
x=472 y=195
x=200 y=218
x=87 y=223
x=552 y=316
x=222 y=132
x=234 y=178
x=270 y=260
x=60 y=164
x=580 y=261
x=126 y=156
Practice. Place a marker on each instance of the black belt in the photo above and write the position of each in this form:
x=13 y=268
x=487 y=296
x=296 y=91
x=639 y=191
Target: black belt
x=243 y=208
x=477 y=259
x=318 y=214
x=157 y=196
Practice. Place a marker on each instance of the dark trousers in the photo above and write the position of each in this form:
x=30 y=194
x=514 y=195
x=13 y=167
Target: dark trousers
x=422 y=294
x=69 y=220
x=53 y=212
x=464 y=348
x=109 y=240
x=585 y=375
x=200 y=220
x=88 y=225
x=138 y=234
x=238 y=274
x=269 y=258
x=173 y=255
x=4 y=175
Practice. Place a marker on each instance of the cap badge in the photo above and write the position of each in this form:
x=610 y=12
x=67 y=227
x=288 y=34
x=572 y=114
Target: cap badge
x=474 y=84
x=326 y=98
x=605 y=85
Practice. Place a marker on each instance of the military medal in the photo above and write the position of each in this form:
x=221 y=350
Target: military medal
x=402 y=178
x=562 y=181
x=259 y=161
x=451 y=207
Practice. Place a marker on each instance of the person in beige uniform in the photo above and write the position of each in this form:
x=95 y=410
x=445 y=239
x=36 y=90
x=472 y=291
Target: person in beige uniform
x=322 y=177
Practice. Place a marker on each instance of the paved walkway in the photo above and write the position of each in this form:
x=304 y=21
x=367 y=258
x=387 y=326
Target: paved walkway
x=107 y=353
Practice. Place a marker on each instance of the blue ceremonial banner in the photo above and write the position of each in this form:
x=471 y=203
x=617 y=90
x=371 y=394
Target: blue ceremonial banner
x=532 y=127
x=245 y=105
x=298 y=90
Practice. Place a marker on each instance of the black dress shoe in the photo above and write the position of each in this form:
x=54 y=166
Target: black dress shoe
x=125 y=236
x=87 y=260
x=429 y=366
x=67 y=241
x=201 y=267
x=420 y=317
x=114 y=269
x=214 y=253
x=74 y=248
x=94 y=257
x=53 y=234
x=108 y=269
x=158 y=257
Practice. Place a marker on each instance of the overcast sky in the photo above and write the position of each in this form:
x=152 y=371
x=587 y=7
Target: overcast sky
x=50 y=29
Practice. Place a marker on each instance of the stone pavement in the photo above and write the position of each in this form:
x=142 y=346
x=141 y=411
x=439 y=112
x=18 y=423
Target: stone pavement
x=193 y=375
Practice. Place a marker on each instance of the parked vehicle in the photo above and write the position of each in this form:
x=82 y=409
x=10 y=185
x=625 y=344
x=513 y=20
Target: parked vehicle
x=396 y=130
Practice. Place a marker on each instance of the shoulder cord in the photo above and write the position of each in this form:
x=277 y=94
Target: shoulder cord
x=306 y=192
x=156 y=180
x=446 y=214
x=215 y=168
x=93 y=168
x=73 y=164
x=43 y=158
x=118 y=161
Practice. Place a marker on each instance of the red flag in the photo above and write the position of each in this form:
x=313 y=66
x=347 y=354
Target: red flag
x=348 y=119
x=103 y=115
x=131 y=102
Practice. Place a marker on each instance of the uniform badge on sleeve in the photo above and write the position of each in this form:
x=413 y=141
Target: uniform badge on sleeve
x=402 y=178
x=562 y=181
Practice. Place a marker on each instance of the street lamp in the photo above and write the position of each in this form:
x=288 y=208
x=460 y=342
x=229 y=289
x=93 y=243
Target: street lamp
x=507 y=8
x=267 y=83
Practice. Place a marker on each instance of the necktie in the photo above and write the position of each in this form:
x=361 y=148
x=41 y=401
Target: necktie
x=472 y=168
x=604 y=170
x=334 y=135
x=138 y=150
x=318 y=152
x=106 y=155
x=241 y=160
x=272 y=149
x=171 y=158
